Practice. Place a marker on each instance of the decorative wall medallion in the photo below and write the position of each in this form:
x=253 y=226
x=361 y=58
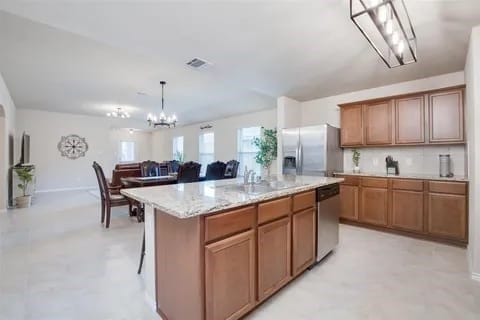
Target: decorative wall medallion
x=72 y=146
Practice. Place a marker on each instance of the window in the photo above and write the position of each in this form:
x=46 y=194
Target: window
x=246 y=149
x=206 y=153
x=177 y=151
x=127 y=151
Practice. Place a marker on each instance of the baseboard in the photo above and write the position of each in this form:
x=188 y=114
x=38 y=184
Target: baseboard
x=475 y=276
x=66 y=189
x=151 y=302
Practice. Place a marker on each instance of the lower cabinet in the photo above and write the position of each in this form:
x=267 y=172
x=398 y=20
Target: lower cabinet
x=374 y=206
x=447 y=215
x=274 y=256
x=407 y=210
x=303 y=238
x=349 y=202
x=230 y=277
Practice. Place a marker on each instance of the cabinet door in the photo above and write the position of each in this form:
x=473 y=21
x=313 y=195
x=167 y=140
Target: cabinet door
x=374 y=206
x=447 y=215
x=230 y=277
x=349 y=202
x=378 y=123
x=274 y=257
x=304 y=238
x=351 y=126
x=410 y=120
x=446 y=116
x=407 y=210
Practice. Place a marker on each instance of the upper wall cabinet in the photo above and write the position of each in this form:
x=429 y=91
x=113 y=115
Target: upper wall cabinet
x=433 y=117
x=378 y=123
x=352 y=125
x=410 y=120
x=446 y=116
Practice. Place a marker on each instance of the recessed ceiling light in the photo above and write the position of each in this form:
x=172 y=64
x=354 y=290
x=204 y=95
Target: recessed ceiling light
x=141 y=93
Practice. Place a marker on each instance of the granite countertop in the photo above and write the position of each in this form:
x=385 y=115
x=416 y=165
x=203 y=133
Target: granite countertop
x=419 y=176
x=187 y=200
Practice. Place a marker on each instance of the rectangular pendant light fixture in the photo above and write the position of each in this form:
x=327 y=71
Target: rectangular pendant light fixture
x=387 y=27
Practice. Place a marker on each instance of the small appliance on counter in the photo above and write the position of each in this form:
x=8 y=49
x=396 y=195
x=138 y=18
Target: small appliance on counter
x=392 y=166
x=445 y=166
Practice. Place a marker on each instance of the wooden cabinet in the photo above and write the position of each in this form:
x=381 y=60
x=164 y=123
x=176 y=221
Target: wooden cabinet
x=374 y=201
x=446 y=116
x=352 y=125
x=303 y=240
x=410 y=120
x=378 y=123
x=349 y=202
x=274 y=257
x=447 y=210
x=429 y=117
x=230 y=277
x=407 y=210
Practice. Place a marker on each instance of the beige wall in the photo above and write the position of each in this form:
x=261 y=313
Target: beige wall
x=472 y=77
x=225 y=136
x=54 y=172
x=7 y=127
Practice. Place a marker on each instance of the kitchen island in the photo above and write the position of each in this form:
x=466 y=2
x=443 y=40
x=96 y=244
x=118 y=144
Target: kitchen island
x=217 y=249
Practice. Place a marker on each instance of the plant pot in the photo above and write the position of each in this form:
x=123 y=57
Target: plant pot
x=23 y=202
x=356 y=169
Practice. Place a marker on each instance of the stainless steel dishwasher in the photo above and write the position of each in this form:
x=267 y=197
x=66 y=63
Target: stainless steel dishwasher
x=328 y=210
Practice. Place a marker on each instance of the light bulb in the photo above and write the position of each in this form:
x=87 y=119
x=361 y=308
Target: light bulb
x=395 y=38
x=149 y=117
x=155 y=118
x=114 y=114
x=127 y=115
x=162 y=115
x=389 y=27
x=109 y=114
x=130 y=131
x=382 y=14
x=400 y=47
x=174 y=117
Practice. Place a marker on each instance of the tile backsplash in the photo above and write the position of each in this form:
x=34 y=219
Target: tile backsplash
x=411 y=160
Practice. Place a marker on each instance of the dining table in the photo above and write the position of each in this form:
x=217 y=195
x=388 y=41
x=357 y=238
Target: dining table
x=139 y=182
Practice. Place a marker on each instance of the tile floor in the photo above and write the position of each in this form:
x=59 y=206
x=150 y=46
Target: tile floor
x=58 y=262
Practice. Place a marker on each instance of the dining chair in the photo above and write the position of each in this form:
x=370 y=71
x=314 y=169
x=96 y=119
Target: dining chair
x=231 y=169
x=174 y=165
x=189 y=172
x=150 y=168
x=215 y=171
x=108 y=198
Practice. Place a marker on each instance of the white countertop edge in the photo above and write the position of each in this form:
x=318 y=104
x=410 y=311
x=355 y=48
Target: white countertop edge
x=404 y=176
x=260 y=198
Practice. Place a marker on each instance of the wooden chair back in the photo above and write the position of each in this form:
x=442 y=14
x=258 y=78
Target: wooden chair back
x=189 y=172
x=102 y=181
x=215 y=171
x=150 y=169
x=231 y=169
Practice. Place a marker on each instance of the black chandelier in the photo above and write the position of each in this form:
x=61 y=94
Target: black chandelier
x=162 y=120
x=387 y=27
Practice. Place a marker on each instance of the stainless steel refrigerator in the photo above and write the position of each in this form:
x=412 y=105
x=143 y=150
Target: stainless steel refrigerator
x=312 y=151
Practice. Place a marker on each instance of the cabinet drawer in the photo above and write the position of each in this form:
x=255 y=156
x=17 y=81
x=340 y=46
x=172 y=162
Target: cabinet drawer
x=349 y=180
x=272 y=210
x=228 y=223
x=448 y=187
x=411 y=185
x=303 y=201
x=374 y=182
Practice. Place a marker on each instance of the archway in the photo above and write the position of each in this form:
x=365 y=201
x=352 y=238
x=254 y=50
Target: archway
x=3 y=159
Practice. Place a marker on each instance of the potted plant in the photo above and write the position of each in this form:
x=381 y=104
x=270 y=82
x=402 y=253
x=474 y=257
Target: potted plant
x=25 y=175
x=267 y=149
x=356 y=160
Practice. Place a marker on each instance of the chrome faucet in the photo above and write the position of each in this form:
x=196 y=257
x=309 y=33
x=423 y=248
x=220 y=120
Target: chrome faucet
x=247 y=174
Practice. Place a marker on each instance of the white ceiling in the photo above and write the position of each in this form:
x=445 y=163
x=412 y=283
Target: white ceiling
x=90 y=56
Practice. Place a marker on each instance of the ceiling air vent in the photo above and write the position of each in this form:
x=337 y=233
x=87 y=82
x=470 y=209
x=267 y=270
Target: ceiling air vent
x=198 y=63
